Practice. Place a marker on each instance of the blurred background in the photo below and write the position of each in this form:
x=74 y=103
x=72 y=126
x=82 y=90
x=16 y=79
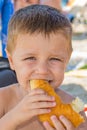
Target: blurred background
x=75 y=81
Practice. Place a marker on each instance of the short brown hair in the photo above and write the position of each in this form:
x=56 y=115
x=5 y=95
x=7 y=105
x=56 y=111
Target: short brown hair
x=37 y=19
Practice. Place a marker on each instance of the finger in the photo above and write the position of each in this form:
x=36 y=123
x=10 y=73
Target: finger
x=41 y=97
x=67 y=123
x=42 y=105
x=36 y=91
x=58 y=125
x=35 y=112
x=47 y=126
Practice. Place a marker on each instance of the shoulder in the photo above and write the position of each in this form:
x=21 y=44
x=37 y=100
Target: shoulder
x=66 y=97
x=6 y=91
x=6 y=95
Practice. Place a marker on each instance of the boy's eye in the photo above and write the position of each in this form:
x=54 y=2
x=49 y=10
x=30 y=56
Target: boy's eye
x=55 y=59
x=30 y=58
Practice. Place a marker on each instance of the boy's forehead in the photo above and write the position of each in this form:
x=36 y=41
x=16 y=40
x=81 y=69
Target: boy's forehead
x=36 y=38
x=40 y=39
x=42 y=35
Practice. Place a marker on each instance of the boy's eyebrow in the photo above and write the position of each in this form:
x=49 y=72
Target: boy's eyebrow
x=52 y=55
x=28 y=54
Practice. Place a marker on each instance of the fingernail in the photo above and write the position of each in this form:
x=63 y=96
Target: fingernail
x=49 y=110
x=53 y=98
x=53 y=117
x=54 y=103
x=61 y=117
x=45 y=123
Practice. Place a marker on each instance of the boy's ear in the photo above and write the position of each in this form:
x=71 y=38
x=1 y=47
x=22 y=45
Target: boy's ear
x=10 y=59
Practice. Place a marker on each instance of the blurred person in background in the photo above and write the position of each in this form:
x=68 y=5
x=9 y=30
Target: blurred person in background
x=53 y=3
x=18 y=4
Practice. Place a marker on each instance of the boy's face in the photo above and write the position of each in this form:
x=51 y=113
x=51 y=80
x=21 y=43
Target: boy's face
x=40 y=57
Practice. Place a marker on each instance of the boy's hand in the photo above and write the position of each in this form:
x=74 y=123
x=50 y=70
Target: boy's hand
x=59 y=124
x=35 y=103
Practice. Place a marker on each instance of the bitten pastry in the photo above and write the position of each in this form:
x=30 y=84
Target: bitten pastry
x=70 y=111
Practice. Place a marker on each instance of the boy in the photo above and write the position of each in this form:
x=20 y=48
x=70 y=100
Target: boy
x=39 y=47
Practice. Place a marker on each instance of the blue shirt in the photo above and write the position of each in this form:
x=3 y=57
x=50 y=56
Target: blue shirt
x=6 y=11
x=64 y=2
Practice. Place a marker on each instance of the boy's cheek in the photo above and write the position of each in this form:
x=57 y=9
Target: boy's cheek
x=58 y=82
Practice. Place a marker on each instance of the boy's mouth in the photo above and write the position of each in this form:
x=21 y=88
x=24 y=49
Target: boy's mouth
x=49 y=81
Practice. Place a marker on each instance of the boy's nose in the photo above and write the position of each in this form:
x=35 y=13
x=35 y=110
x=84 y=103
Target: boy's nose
x=42 y=69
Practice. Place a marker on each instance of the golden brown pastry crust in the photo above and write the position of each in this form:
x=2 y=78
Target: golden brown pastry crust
x=60 y=109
